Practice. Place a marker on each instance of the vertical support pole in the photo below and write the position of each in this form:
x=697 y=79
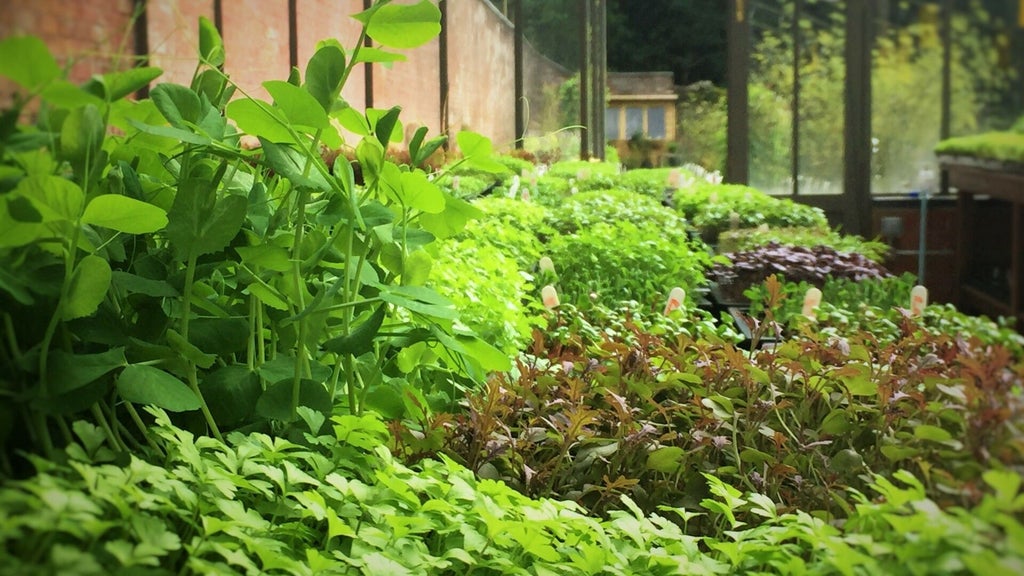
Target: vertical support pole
x=601 y=75
x=857 y=117
x=141 y=39
x=218 y=16
x=444 y=80
x=293 y=33
x=368 y=67
x=584 y=7
x=520 y=94
x=798 y=6
x=737 y=169
x=945 y=127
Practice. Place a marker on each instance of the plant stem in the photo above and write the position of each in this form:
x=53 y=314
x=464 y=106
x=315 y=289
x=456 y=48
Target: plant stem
x=97 y=413
x=142 y=428
x=186 y=313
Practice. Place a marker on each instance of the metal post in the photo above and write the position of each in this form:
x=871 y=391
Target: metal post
x=922 y=240
x=368 y=67
x=520 y=95
x=293 y=33
x=857 y=117
x=444 y=82
x=737 y=169
x=141 y=42
x=795 y=112
x=584 y=62
x=599 y=63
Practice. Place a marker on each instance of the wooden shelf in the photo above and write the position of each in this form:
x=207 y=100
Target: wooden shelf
x=990 y=199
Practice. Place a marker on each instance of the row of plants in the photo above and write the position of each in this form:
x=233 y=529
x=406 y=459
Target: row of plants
x=227 y=356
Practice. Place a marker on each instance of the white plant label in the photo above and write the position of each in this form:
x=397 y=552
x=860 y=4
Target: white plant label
x=546 y=265
x=674 y=179
x=918 y=300
x=811 y=301
x=582 y=174
x=514 y=188
x=455 y=183
x=713 y=198
x=734 y=220
x=762 y=228
x=675 y=300
x=549 y=296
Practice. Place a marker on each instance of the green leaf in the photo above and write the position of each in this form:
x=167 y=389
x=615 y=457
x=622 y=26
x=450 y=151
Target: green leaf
x=419 y=299
x=421 y=194
x=267 y=296
x=416 y=268
x=477 y=151
x=178 y=104
x=457 y=212
x=377 y=56
x=275 y=403
x=117 y=85
x=64 y=94
x=151 y=386
x=274 y=258
x=895 y=452
x=81 y=138
x=124 y=214
x=89 y=284
x=386 y=126
x=231 y=393
x=933 y=433
x=666 y=459
x=189 y=351
x=404 y=26
x=211 y=46
x=134 y=284
x=177 y=134
x=54 y=197
x=69 y=372
x=199 y=223
x=27 y=61
x=324 y=73
x=259 y=118
x=360 y=340
x=490 y=358
x=292 y=164
x=298 y=105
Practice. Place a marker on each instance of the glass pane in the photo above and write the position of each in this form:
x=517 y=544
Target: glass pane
x=988 y=60
x=656 y=123
x=822 y=93
x=771 y=95
x=906 y=104
x=634 y=121
x=611 y=123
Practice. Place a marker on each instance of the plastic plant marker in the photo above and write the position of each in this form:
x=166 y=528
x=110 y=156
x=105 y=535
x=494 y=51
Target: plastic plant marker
x=713 y=198
x=582 y=174
x=514 y=188
x=674 y=179
x=762 y=228
x=546 y=265
x=734 y=220
x=455 y=183
x=675 y=300
x=918 y=300
x=811 y=301
x=525 y=195
x=549 y=296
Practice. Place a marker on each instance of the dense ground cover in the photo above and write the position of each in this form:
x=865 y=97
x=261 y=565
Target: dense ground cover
x=231 y=356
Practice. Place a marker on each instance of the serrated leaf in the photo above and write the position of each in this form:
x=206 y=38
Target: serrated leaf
x=124 y=214
x=89 y=284
x=151 y=386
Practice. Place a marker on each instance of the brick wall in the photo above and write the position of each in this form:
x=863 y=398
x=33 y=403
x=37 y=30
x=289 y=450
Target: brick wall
x=98 y=36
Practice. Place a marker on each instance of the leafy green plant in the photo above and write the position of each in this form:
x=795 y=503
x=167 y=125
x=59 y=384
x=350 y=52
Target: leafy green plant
x=1003 y=146
x=749 y=238
x=714 y=208
x=167 y=263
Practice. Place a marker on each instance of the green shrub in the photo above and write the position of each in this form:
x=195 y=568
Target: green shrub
x=749 y=238
x=1004 y=146
x=652 y=182
x=613 y=206
x=710 y=207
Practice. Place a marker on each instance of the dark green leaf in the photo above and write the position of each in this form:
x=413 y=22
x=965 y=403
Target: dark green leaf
x=385 y=126
x=147 y=385
x=275 y=403
x=324 y=73
x=178 y=104
x=231 y=393
x=134 y=284
x=69 y=372
x=211 y=46
x=188 y=350
x=666 y=459
x=117 y=85
x=294 y=165
x=89 y=283
x=360 y=339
